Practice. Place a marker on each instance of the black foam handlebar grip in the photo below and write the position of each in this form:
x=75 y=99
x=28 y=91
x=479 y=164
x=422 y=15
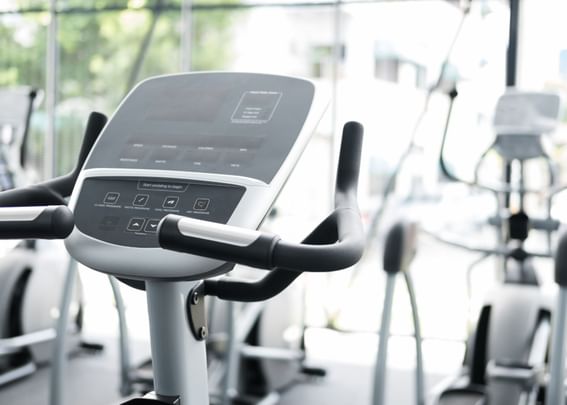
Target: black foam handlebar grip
x=95 y=124
x=349 y=160
x=64 y=185
x=341 y=237
x=50 y=222
x=54 y=191
x=336 y=243
x=561 y=261
x=342 y=245
x=30 y=196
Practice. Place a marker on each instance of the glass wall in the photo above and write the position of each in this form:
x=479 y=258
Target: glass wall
x=99 y=66
x=376 y=59
x=23 y=43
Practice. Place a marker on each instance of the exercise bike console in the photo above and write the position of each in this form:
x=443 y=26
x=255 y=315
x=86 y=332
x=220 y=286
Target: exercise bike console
x=211 y=146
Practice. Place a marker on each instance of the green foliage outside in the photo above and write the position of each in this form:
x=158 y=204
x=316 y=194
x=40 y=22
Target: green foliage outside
x=98 y=52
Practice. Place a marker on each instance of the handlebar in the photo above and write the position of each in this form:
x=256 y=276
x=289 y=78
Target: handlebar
x=64 y=185
x=505 y=252
x=54 y=191
x=39 y=211
x=339 y=246
x=49 y=222
x=400 y=246
x=561 y=261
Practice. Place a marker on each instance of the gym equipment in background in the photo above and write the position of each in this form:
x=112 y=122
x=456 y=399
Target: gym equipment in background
x=399 y=250
x=31 y=272
x=256 y=350
x=16 y=107
x=506 y=356
x=555 y=393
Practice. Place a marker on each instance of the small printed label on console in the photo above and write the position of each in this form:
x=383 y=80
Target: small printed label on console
x=256 y=107
x=159 y=186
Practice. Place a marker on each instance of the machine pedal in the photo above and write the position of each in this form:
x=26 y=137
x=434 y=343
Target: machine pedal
x=93 y=348
x=313 y=371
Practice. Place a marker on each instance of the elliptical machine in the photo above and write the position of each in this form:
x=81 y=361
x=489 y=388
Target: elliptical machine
x=256 y=350
x=204 y=155
x=506 y=357
x=28 y=310
x=400 y=247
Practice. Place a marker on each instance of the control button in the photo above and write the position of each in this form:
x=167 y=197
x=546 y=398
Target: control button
x=136 y=224
x=141 y=200
x=151 y=226
x=170 y=202
x=111 y=198
x=201 y=204
x=108 y=223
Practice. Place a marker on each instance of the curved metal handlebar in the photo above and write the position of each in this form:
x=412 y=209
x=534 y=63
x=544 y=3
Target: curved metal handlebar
x=39 y=211
x=54 y=191
x=478 y=249
x=339 y=246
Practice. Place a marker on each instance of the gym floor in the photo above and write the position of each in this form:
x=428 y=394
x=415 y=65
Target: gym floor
x=93 y=379
x=347 y=357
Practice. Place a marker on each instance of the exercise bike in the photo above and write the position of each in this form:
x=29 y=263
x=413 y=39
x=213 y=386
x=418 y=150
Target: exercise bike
x=204 y=155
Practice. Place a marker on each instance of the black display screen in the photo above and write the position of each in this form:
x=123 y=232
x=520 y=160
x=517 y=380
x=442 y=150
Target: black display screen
x=226 y=123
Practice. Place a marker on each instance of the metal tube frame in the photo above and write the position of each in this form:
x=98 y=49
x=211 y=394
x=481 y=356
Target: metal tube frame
x=555 y=392
x=59 y=362
x=419 y=367
x=232 y=359
x=123 y=338
x=179 y=360
x=379 y=386
x=50 y=139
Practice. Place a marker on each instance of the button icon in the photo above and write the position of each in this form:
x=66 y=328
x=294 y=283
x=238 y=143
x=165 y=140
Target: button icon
x=136 y=224
x=111 y=198
x=151 y=226
x=141 y=200
x=170 y=202
x=201 y=204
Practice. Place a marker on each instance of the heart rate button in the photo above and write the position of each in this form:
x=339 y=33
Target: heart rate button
x=201 y=204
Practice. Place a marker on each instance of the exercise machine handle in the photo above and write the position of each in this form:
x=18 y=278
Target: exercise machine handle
x=340 y=237
x=54 y=191
x=561 y=261
x=400 y=247
x=224 y=242
x=64 y=185
x=263 y=250
x=47 y=222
